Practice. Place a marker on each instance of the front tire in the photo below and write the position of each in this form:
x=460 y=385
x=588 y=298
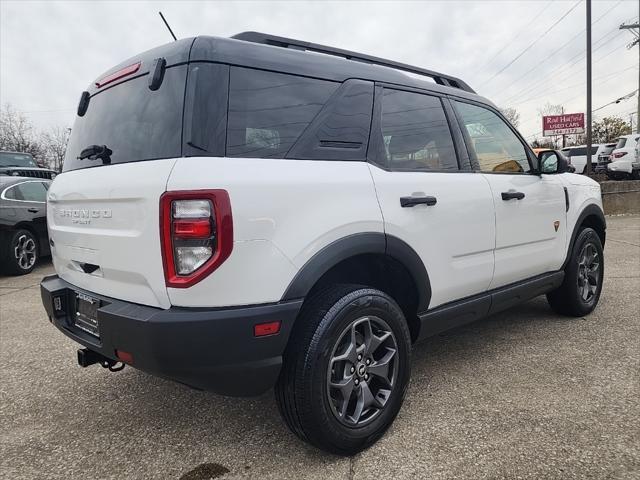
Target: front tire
x=580 y=290
x=346 y=369
x=19 y=252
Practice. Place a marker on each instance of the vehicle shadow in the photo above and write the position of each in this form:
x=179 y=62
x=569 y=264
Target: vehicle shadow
x=180 y=414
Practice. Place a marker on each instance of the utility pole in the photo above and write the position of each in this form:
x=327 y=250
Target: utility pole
x=633 y=28
x=587 y=169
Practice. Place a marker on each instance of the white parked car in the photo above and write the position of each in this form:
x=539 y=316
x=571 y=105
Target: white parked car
x=240 y=214
x=578 y=156
x=623 y=159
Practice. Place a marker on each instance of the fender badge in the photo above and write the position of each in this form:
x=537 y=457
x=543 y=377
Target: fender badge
x=556 y=225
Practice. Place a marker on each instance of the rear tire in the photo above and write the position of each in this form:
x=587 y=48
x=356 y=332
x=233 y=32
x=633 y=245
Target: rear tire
x=346 y=369
x=19 y=252
x=580 y=290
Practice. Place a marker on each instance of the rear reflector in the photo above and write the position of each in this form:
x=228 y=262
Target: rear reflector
x=125 y=357
x=192 y=228
x=264 y=329
x=124 y=72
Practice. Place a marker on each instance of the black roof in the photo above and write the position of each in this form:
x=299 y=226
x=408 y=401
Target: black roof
x=279 y=54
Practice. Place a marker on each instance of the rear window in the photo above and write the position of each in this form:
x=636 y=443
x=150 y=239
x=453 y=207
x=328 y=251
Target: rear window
x=581 y=151
x=133 y=121
x=269 y=111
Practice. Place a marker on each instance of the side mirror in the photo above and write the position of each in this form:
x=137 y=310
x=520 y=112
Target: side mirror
x=548 y=161
x=552 y=161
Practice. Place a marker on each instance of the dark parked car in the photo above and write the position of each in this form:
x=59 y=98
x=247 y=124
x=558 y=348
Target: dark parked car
x=22 y=165
x=23 y=223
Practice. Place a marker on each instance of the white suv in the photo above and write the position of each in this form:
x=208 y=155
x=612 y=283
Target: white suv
x=623 y=158
x=237 y=214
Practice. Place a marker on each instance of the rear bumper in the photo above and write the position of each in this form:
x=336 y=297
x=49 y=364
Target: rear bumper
x=208 y=349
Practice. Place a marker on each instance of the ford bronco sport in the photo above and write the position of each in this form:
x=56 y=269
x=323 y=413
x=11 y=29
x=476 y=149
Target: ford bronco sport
x=242 y=213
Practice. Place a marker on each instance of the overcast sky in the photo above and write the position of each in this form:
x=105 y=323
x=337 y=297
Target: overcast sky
x=50 y=51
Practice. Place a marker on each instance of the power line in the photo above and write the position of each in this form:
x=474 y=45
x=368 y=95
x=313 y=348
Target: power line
x=554 y=52
x=562 y=68
x=616 y=73
x=533 y=43
x=507 y=44
x=618 y=100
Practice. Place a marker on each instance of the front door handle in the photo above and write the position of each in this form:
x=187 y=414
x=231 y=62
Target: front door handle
x=512 y=195
x=33 y=210
x=413 y=201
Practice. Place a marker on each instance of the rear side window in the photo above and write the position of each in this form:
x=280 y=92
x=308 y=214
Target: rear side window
x=621 y=142
x=133 y=121
x=269 y=111
x=32 y=191
x=416 y=133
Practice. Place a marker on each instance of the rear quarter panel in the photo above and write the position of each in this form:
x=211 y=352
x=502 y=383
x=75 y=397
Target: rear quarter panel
x=284 y=212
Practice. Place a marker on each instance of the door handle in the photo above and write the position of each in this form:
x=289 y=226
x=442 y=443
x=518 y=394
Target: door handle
x=33 y=210
x=413 y=201
x=512 y=195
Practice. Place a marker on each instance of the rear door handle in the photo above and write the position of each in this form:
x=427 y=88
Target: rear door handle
x=413 y=201
x=33 y=210
x=512 y=195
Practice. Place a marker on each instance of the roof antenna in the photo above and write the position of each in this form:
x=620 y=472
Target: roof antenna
x=170 y=31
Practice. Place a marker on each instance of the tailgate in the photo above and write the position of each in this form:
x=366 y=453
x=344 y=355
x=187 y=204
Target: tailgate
x=104 y=227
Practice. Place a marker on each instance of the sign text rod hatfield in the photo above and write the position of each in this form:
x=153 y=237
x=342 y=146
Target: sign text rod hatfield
x=562 y=124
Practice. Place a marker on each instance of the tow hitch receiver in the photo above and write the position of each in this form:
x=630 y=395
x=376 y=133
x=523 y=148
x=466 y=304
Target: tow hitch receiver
x=88 y=357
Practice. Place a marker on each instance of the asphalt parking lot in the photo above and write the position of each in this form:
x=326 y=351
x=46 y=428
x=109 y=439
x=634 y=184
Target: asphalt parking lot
x=524 y=394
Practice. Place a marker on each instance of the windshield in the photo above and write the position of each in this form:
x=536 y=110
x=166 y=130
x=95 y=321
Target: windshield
x=9 y=159
x=134 y=122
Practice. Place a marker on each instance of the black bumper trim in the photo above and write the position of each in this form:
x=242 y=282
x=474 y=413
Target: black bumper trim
x=208 y=349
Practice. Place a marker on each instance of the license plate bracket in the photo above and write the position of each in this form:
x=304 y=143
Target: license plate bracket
x=86 y=313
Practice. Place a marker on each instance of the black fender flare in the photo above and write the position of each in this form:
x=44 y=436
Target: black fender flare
x=358 y=244
x=591 y=209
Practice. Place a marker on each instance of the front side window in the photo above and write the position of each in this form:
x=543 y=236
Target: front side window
x=416 y=133
x=269 y=111
x=496 y=147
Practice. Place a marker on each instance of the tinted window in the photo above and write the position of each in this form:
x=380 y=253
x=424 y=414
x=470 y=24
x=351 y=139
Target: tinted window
x=496 y=147
x=134 y=122
x=269 y=111
x=581 y=151
x=11 y=193
x=621 y=142
x=32 y=192
x=416 y=133
x=10 y=159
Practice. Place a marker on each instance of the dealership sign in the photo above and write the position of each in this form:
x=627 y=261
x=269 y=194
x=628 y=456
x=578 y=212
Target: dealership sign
x=563 y=124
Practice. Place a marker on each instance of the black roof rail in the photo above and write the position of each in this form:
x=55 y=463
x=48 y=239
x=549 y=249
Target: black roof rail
x=267 y=39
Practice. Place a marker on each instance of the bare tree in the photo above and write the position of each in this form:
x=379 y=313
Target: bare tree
x=55 y=143
x=17 y=134
x=512 y=115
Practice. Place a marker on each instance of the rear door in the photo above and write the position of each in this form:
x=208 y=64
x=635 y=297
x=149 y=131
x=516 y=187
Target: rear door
x=444 y=213
x=530 y=209
x=103 y=213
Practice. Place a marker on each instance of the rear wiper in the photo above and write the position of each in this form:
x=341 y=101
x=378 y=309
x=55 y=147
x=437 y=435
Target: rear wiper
x=94 y=152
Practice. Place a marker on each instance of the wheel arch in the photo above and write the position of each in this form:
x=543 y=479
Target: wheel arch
x=591 y=216
x=374 y=259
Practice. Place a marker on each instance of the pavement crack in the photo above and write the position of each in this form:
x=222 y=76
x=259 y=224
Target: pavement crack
x=352 y=469
x=622 y=241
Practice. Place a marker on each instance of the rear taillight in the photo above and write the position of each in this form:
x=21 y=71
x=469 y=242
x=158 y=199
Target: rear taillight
x=618 y=154
x=196 y=232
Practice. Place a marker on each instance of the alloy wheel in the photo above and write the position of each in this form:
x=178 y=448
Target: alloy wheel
x=588 y=272
x=362 y=371
x=25 y=252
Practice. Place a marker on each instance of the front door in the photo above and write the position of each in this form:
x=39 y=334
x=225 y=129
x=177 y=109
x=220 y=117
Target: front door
x=446 y=215
x=530 y=209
